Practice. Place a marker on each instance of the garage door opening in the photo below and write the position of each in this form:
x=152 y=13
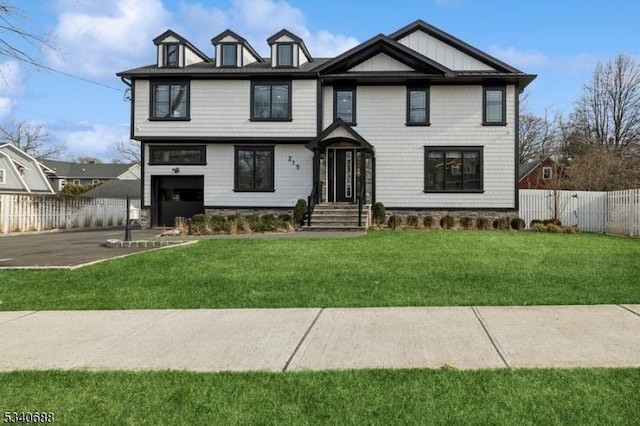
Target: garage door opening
x=176 y=196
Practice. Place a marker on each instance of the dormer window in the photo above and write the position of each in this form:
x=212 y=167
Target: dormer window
x=229 y=55
x=285 y=55
x=171 y=55
x=288 y=50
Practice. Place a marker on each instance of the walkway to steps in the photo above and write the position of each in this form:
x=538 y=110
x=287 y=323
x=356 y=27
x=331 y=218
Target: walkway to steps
x=337 y=217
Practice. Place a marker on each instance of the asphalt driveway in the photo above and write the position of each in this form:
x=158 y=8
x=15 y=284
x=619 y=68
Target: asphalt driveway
x=65 y=249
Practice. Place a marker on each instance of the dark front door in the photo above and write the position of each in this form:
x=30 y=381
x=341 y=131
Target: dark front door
x=341 y=177
x=176 y=196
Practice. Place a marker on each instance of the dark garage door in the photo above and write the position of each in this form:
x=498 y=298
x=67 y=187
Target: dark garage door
x=176 y=196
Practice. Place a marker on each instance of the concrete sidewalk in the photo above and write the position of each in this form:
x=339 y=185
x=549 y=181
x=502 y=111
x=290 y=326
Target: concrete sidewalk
x=320 y=339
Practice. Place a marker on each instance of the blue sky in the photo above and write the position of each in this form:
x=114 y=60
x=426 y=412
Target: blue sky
x=559 y=40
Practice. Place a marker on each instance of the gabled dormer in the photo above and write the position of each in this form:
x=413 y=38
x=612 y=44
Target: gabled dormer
x=288 y=50
x=233 y=51
x=174 y=51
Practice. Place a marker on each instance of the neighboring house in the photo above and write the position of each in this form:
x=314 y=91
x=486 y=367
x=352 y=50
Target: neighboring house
x=115 y=189
x=538 y=174
x=418 y=120
x=20 y=173
x=64 y=172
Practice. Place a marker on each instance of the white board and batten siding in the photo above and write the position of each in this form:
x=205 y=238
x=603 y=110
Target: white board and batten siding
x=456 y=120
x=442 y=52
x=219 y=108
x=381 y=62
x=293 y=177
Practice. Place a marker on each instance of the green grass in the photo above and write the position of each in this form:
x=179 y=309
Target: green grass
x=405 y=268
x=580 y=397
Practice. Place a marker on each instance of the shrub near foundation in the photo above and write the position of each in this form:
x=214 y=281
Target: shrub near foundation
x=447 y=222
x=412 y=221
x=501 y=224
x=483 y=223
x=428 y=222
x=518 y=224
x=378 y=213
x=466 y=222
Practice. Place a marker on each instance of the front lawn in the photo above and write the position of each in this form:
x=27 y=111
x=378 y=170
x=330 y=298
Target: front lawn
x=385 y=397
x=386 y=268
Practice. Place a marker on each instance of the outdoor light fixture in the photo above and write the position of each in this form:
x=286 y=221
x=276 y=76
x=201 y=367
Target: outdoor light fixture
x=176 y=170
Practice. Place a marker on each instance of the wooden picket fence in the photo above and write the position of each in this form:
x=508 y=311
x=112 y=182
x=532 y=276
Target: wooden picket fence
x=616 y=212
x=32 y=213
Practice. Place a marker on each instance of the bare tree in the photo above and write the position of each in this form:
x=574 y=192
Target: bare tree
x=128 y=151
x=32 y=139
x=535 y=133
x=16 y=42
x=608 y=113
x=87 y=159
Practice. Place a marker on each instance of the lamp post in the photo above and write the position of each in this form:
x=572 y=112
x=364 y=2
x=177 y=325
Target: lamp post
x=127 y=229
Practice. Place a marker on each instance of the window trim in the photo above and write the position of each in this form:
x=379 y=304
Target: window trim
x=237 y=149
x=353 y=91
x=154 y=84
x=279 y=64
x=165 y=55
x=445 y=149
x=3 y=179
x=223 y=56
x=270 y=83
x=427 y=92
x=550 y=170
x=202 y=148
x=503 y=120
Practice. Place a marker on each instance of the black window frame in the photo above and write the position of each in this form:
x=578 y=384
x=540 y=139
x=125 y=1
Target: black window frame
x=223 y=55
x=254 y=148
x=279 y=63
x=201 y=148
x=165 y=55
x=353 y=91
x=152 y=99
x=462 y=149
x=426 y=90
x=503 y=118
x=271 y=84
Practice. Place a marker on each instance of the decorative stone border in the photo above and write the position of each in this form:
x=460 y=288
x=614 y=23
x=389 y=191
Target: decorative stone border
x=143 y=243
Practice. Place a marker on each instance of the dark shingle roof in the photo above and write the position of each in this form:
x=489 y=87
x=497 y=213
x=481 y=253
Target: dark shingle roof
x=68 y=170
x=115 y=189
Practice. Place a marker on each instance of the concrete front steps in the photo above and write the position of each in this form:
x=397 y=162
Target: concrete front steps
x=337 y=217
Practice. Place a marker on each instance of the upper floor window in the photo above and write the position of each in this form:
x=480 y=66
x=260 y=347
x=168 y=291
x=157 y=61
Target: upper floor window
x=547 y=173
x=494 y=106
x=285 y=55
x=418 y=107
x=188 y=154
x=344 y=105
x=2 y=179
x=271 y=101
x=229 y=55
x=453 y=169
x=171 y=55
x=169 y=101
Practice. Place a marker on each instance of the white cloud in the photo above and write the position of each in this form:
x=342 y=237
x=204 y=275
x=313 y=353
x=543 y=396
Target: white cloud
x=519 y=58
x=95 y=140
x=6 y=107
x=11 y=78
x=98 y=39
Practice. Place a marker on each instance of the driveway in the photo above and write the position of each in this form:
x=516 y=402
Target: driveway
x=65 y=249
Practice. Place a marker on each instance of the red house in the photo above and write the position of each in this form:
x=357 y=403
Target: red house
x=537 y=174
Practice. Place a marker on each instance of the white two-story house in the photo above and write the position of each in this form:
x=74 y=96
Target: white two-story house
x=418 y=120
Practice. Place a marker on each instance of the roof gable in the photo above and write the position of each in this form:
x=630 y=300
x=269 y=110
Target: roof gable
x=382 y=44
x=171 y=36
x=338 y=130
x=228 y=36
x=447 y=49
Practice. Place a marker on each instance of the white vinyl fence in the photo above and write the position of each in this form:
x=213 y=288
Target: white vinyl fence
x=616 y=212
x=27 y=213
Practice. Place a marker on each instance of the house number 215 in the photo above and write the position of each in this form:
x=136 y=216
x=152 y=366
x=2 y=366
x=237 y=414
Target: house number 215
x=292 y=161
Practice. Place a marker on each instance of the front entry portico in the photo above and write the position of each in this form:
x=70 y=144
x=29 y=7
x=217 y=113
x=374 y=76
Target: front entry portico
x=343 y=166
